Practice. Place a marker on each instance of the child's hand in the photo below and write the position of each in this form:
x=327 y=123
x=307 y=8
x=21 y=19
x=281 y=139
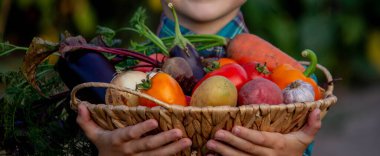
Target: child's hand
x=128 y=140
x=243 y=141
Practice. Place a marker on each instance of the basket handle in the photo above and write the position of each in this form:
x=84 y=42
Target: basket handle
x=75 y=101
x=330 y=82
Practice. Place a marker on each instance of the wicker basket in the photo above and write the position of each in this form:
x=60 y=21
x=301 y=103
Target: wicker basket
x=200 y=124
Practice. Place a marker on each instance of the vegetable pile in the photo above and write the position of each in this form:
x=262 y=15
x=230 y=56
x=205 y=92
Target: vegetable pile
x=252 y=72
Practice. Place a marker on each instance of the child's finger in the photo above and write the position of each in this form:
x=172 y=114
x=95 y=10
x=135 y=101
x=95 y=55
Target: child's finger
x=261 y=138
x=156 y=141
x=308 y=132
x=241 y=143
x=223 y=149
x=170 y=149
x=314 y=123
x=136 y=131
x=84 y=120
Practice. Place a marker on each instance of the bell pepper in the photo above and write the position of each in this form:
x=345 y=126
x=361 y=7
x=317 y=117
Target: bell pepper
x=285 y=74
x=162 y=87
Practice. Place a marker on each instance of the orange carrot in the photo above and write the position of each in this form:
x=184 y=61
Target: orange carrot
x=246 y=48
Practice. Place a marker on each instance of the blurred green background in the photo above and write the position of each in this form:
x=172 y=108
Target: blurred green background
x=345 y=34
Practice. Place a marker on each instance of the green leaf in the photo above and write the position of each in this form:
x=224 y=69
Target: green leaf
x=138 y=25
x=6 y=48
x=107 y=35
x=105 y=31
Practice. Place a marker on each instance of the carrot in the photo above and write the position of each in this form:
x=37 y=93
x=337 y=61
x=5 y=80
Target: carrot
x=246 y=48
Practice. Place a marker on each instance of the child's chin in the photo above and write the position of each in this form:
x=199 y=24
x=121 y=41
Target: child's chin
x=206 y=10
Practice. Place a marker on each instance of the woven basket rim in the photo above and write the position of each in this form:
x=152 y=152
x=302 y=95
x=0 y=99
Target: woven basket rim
x=263 y=107
x=328 y=96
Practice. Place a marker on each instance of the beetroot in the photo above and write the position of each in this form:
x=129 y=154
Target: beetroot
x=260 y=91
x=182 y=47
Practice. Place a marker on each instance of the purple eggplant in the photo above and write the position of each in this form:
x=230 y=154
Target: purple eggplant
x=182 y=47
x=86 y=66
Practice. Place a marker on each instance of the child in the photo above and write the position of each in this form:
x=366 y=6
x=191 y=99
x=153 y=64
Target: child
x=200 y=17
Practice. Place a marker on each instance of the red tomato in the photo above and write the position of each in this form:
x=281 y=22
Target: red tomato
x=224 y=61
x=212 y=64
x=233 y=72
x=255 y=70
x=157 y=56
x=165 y=88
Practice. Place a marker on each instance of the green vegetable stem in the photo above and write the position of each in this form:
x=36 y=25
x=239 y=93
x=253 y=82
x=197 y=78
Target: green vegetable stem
x=313 y=61
x=200 y=41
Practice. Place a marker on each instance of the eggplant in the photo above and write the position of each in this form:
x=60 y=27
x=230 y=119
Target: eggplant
x=182 y=47
x=86 y=66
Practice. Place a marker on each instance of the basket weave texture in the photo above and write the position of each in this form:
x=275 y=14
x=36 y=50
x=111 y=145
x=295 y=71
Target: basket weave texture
x=200 y=124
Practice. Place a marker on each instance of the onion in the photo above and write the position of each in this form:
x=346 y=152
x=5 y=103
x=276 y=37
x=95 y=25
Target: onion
x=128 y=79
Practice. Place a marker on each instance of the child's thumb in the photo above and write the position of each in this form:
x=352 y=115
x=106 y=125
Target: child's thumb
x=308 y=132
x=314 y=123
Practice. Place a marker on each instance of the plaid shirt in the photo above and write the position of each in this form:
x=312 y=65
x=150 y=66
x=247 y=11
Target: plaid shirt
x=234 y=27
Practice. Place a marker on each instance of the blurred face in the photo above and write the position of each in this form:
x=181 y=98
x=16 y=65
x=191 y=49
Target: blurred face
x=203 y=10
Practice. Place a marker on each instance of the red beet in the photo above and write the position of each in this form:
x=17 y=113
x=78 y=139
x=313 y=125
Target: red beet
x=260 y=91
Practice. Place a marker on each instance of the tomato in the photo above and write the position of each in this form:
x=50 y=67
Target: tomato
x=224 y=61
x=157 y=56
x=212 y=64
x=162 y=87
x=233 y=72
x=255 y=70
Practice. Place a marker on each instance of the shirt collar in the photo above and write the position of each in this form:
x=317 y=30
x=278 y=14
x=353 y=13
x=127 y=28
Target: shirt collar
x=230 y=30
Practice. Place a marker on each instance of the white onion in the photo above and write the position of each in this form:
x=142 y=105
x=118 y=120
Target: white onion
x=128 y=79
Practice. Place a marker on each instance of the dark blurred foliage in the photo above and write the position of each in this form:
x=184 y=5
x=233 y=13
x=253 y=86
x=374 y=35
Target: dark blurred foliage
x=345 y=34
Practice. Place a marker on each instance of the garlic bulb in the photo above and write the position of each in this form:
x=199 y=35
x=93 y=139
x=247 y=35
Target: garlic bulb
x=298 y=91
